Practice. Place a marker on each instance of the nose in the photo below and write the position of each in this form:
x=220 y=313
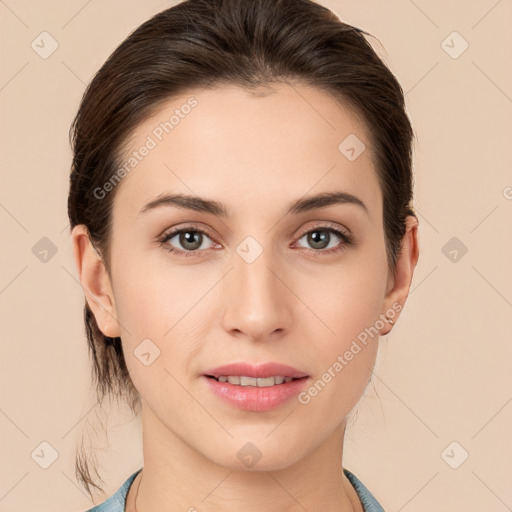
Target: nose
x=256 y=299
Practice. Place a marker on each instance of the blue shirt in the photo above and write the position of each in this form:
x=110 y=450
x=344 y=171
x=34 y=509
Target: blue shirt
x=116 y=502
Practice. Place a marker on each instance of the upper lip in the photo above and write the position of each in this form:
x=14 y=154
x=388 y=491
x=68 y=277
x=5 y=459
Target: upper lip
x=250 y=370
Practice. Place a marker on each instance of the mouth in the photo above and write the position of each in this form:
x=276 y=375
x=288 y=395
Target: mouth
x=261 y=382
x=255 y=389
x=263 y=375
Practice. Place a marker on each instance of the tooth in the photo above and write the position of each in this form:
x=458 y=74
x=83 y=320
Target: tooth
x=265 y=381
x=248 y=381
x=243 y=380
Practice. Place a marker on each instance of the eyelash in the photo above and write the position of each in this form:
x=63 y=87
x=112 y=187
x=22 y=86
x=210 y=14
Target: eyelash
x=346 y=238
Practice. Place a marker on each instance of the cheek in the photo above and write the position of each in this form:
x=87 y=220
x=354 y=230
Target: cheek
x=152 y=297
x=346 y=356
x=167 y=306
x=348 y=298
x=154 y=309
x=349 y=303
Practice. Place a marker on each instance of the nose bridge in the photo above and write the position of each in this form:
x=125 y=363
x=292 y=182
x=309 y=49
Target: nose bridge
x=257 y=300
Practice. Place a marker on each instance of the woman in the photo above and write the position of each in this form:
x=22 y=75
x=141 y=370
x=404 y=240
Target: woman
x=242 y=225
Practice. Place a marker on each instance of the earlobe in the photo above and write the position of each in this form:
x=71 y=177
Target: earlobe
x=397 y=294
x=95 y=281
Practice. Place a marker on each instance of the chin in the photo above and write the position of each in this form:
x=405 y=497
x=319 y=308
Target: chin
x=253 y=455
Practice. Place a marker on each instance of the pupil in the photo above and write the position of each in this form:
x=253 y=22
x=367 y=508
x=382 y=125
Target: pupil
x=191 y=237
x=319 y=241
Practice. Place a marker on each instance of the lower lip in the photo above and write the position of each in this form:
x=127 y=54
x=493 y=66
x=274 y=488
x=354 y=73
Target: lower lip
x=253 y=398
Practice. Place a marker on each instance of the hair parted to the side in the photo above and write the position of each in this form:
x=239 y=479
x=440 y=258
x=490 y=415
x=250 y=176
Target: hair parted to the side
x=205 y=44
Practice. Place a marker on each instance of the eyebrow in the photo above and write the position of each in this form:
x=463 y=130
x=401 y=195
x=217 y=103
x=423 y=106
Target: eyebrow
x=302 y=205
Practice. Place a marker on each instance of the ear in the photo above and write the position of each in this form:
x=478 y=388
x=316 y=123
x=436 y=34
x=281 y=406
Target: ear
x=95 y=282
x=399 y=285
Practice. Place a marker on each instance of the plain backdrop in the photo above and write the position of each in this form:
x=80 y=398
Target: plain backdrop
x=430 y=434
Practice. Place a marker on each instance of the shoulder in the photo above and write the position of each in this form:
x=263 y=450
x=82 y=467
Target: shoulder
x=116 y=502
x=369 y=502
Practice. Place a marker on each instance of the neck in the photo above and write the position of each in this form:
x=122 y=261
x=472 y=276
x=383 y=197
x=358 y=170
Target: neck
x=177 y=477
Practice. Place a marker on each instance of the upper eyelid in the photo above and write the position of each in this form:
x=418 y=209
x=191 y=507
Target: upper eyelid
x=327 y=225
x=190 y=227
x=197 y=227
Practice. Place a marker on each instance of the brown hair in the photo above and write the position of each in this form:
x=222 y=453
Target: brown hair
x=204 y=44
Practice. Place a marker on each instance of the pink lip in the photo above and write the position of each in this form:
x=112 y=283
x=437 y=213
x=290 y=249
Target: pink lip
x=255 y=398
x=249 y=370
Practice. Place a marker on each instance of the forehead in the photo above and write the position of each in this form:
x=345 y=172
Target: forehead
x=259 y=148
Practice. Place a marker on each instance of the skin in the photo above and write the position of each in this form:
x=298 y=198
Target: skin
x=256 y=153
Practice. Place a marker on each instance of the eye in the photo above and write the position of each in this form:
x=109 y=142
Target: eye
x=190 y=240
x=326 y=239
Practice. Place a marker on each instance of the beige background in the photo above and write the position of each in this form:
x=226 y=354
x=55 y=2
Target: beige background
x=443 y=374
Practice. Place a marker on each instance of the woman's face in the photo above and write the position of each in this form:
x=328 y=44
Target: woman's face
x=251 y=285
